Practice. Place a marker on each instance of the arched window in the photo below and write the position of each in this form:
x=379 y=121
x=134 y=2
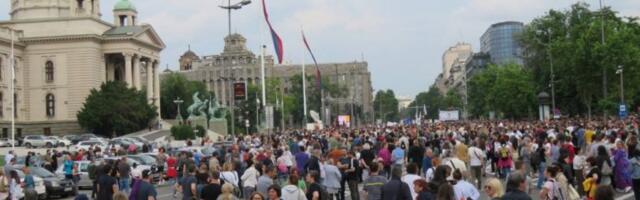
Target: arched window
x=48 y=70
x=51 y=105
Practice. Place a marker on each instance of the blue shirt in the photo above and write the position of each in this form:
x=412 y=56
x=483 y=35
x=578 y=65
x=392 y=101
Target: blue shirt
x=29 y=182
x=397 y=156
x=301 y=160
x=68 y=167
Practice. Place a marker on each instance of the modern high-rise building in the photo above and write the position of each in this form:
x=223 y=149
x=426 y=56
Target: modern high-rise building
x=501 y=43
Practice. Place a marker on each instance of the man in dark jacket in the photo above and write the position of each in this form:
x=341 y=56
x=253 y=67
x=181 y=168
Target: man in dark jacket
x=395 y=189
x=515 y=187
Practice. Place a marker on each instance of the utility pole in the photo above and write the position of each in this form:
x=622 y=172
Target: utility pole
x=604 y=69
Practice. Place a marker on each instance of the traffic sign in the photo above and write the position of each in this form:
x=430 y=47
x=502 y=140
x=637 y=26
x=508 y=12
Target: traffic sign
x=622 y=111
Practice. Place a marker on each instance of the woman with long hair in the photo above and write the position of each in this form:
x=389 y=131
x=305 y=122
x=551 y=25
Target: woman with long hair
x=14 y=186
x=550 y=189
x=227 y=193
x=622 y=167
x=421 y=188
x=592 y=178
x=446 y=192
x=494 y=189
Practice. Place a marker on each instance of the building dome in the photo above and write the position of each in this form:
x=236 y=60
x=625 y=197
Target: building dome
x=124 y=5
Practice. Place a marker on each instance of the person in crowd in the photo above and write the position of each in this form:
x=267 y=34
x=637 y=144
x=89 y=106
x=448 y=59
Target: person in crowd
x=435 y=162
x=212 y=190
x=439 y=177
x=397 y=157
x=124 y=175
x=227 y=192
x=256 y=196
x=120 y=196
x=332 y=178
x=551 y=188
x=634 y=160
x=349 y=167
x=373 y=184
x=410 y=177
x=592 y=178
x=516 y=185
x=604 y=193
x=229 y=174
x=476 y=159
x=420 y=185
x=464 y=189
x=266 y=180
x=604 y=165
x=15 y=188
x=427 y=161
x=249 y=179
x=291 y=190
x=395 y=188
x=188 y=184
x=493 y=188
x=314 y=189
x=107 y=184
x=4 y=186
x=301 y=160
x=445 y=192
x=146 y=191
x=274 y=192
x=622 y=167
x=202 y=178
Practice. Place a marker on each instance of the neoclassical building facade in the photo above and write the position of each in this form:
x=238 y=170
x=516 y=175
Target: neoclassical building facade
x=62 y=50
x=236 y=63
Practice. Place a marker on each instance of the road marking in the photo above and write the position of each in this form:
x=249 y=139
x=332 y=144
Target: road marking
x=625 y=196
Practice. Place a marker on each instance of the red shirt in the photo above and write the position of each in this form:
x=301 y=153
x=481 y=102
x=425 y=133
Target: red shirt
x=171 y=165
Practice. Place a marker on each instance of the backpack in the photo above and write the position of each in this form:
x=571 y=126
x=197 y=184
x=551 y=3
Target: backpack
x=504 y=153
x=324 y=195
x=4 y=187
x=92 y=171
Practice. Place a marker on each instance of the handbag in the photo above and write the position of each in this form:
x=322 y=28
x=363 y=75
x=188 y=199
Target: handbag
x=573 y=193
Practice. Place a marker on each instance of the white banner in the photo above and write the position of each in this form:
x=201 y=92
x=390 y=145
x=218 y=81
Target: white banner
x=449 y=115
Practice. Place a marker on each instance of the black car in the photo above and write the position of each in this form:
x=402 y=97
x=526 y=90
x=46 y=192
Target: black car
x=56 y=186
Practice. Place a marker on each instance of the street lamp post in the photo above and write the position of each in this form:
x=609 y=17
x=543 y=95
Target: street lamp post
x=178 y=101
x=231 y=79
x=621 y=71
x=553 y=75
x=604 y=69
x=236 y=6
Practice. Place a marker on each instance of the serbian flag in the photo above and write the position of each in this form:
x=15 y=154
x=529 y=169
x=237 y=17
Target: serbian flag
x=318 y=77
x=277 y=42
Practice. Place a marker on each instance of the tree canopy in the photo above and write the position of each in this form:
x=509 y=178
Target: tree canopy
x=175 y=85
x=116 y=109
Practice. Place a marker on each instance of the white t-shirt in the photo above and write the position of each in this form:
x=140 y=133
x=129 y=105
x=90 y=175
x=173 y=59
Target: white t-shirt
x=464 y=190
x=476 y=156
x=409 y=179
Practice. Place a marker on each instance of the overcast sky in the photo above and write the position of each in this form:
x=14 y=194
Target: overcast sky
x=403 y=41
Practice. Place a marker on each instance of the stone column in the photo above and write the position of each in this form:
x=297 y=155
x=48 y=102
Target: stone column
x=149 y=67
x=128 y=78
x=5 y=74
x=156 y=84
x=136 y=72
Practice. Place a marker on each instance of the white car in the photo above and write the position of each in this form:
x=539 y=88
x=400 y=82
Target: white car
x=4 y=142
x=84 y=145
x=38 y=141
x=62 y=142
x=40 y=188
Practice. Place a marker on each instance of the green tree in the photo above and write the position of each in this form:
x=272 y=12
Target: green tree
x=385 y=105
x=176 y=85
x=116 y=110
x=507 y=89
x=431 y=99
x=182 y=132
x=573 y=40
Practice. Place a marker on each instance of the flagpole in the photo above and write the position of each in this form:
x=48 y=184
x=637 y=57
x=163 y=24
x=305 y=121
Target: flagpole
x=304 y=92
x=13 y=95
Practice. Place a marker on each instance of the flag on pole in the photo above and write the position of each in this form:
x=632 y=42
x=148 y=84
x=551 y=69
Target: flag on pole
x=277 y=42
x=318 y=76
x=424 y=109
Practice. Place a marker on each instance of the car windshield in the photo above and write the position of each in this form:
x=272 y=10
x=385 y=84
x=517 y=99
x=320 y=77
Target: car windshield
x=41 y=172
x=147 y=160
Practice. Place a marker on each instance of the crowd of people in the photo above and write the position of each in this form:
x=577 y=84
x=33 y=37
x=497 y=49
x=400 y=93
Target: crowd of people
x=564 y=159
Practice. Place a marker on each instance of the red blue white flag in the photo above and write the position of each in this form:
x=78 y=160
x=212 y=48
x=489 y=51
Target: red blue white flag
x=318 y=76
x=277 y=42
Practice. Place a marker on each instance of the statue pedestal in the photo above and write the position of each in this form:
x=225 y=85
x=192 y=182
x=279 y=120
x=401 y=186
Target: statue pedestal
x=194 y=121
x=219 y=126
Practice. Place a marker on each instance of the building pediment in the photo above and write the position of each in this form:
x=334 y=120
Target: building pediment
x=144 y=34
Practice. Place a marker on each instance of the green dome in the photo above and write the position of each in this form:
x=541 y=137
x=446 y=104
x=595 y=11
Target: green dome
x=124 y=5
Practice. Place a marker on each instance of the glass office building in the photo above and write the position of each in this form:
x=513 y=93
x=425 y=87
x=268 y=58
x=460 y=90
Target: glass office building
x=500 y=42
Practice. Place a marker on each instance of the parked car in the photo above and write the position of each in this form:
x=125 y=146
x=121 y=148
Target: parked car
x=55 y=186
x=84 y=145
x=62 y=142
x=39 y=141
x=4 y=142
x=85 y=137
x=123 y=143
x=34 y=160
x=139 y=165
x=139 y=139
x=84 y=182
x=41 y=190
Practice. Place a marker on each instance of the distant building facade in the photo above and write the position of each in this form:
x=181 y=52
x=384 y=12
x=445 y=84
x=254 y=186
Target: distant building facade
x=238 y=64
x=454 y=62
x=63 y=49
x=501 y=43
